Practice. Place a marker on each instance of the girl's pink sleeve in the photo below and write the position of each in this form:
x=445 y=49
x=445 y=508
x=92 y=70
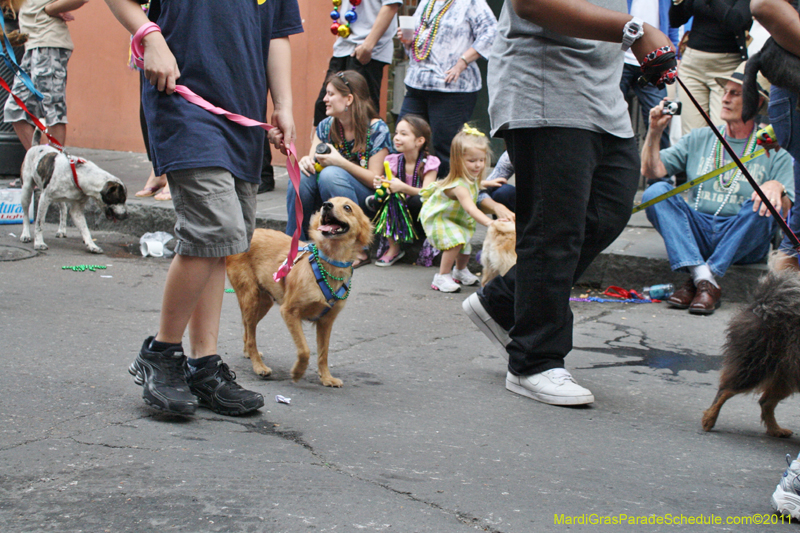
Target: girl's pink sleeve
x=432 y=163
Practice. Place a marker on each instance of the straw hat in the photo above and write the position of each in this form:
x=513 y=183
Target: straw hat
x=738 y=77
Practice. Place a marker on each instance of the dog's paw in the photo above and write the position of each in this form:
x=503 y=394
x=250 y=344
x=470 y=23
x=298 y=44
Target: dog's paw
x=331 y=381
x=61 y=235
x=709 y=421
x=779 y=432
x=40 y=246
x=24 y=238
x=262 y=370
x=298 y=369
x=95 y=249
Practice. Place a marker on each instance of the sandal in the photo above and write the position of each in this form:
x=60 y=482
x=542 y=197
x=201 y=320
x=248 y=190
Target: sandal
x=389 y=262
x=164 y=195
x=147 y=191
x=361 y=262
x=150 y=190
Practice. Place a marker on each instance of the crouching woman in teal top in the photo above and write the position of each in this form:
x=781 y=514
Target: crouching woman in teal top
x=358 y=140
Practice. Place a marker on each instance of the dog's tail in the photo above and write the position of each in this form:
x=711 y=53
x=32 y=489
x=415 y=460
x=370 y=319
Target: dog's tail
x=37 y=136
x=750 y=94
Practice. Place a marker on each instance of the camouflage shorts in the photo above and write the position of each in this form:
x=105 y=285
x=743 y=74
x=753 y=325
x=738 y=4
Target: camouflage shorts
x=47 y=68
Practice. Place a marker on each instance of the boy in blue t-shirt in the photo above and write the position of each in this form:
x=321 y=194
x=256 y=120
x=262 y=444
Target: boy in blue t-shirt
x=213 y=169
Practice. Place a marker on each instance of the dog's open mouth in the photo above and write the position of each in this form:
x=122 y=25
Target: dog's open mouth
x=330 y=225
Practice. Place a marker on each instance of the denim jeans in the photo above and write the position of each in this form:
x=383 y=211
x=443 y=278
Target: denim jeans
x=575 y=192
x=445 y=112
x=785 y=119
x=649 y=96
x=694 y=238
x=505 y=194
x=317 y=188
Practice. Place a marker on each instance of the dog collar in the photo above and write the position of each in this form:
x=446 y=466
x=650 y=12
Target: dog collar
x=315 y=250
x=72 y=161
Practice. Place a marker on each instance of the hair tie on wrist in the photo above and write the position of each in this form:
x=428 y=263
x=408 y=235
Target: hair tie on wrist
x=137 y=51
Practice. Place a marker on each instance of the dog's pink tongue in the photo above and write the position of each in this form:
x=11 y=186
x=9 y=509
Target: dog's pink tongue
x=329 y=228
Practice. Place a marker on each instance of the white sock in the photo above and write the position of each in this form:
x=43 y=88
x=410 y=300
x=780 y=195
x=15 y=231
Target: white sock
x=702 y=272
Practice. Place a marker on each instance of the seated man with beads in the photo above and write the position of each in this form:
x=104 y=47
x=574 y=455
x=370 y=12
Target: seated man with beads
x=722 y=221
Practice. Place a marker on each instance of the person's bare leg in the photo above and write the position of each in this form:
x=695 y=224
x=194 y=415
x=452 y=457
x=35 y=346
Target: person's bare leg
x=24 y=132
x=59 y=131
x=204 y=322
x=448 y=258
x=461 y=261
x=186 y=284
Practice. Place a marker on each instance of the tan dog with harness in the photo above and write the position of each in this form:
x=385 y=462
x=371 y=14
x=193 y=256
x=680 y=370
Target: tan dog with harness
x=316 y=289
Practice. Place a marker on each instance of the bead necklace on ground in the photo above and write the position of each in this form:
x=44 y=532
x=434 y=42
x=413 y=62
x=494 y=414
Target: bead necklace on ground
x=343 y=30
x=326 y=275
x=345 y=150
x=718 y=156
x=429 y=27
x=401 y=170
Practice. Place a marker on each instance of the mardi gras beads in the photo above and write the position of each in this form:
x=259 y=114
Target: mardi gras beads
x=343 y=29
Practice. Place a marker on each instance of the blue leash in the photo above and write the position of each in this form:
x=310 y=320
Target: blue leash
x=7 y=53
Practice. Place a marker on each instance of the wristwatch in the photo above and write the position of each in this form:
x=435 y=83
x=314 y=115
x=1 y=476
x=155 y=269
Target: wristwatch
x=632 y=31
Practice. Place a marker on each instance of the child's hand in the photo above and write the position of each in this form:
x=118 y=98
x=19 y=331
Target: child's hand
x=497 y=182
x=376 y=182
x=504 y=213
x=160 y=67
x=397 y=186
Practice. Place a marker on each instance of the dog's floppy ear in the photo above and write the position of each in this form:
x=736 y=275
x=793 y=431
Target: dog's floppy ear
x=114 y=193
x=365 y=230
x=45 y=168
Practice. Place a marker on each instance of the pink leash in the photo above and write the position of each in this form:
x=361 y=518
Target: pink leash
x=293 y=168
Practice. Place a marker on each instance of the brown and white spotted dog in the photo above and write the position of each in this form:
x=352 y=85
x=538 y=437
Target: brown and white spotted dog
x=50 y=170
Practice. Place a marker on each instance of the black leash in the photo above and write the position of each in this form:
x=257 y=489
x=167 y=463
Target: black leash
x=781 y=222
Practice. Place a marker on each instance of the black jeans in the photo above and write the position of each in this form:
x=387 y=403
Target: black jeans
x=445 y=112
x=372 y=72
x=575 y=192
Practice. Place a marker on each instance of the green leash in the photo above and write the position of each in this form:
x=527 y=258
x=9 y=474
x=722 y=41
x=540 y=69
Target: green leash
x=697 y=181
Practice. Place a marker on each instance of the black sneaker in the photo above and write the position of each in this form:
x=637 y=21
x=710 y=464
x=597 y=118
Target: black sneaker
x=162 y=376
x=216 y=388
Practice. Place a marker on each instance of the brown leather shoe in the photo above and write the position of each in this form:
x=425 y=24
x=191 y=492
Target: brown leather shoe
x=682 y=298
x=707 y=299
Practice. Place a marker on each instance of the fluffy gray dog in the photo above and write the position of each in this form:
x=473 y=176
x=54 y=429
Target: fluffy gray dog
x=762 y=350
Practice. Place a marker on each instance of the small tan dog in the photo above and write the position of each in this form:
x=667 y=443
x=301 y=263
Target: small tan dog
x=340 y=230
x=499 y=250
x=10 y=9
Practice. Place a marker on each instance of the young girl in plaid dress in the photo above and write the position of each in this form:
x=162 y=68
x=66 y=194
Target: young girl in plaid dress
x=449 y=212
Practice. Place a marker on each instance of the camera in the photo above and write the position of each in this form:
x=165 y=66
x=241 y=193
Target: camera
x=323 y=148
x=671 y=108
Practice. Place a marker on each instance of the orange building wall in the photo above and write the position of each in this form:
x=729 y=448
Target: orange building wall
x=103 y=93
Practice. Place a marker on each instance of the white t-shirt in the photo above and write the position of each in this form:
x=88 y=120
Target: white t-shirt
x=647 y=10
x=366 y=13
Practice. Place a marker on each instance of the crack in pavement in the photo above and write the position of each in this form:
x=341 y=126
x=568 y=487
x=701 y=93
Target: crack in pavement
x=264 y=427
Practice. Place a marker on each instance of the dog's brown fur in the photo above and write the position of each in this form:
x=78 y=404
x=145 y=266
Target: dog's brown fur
x=499 y=250
x=10 y=8
x=762 y=350
x=298 y=294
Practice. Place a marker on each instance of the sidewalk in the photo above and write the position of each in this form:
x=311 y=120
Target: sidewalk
x=636 y=259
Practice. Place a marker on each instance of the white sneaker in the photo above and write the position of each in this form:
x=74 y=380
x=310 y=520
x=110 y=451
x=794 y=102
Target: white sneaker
x=444 y=283
x=786 y=498
x=474 y=309
x=555 y=386
x=465 y=277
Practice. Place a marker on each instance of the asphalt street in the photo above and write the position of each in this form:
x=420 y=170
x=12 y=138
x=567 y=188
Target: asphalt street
x=423 y=437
